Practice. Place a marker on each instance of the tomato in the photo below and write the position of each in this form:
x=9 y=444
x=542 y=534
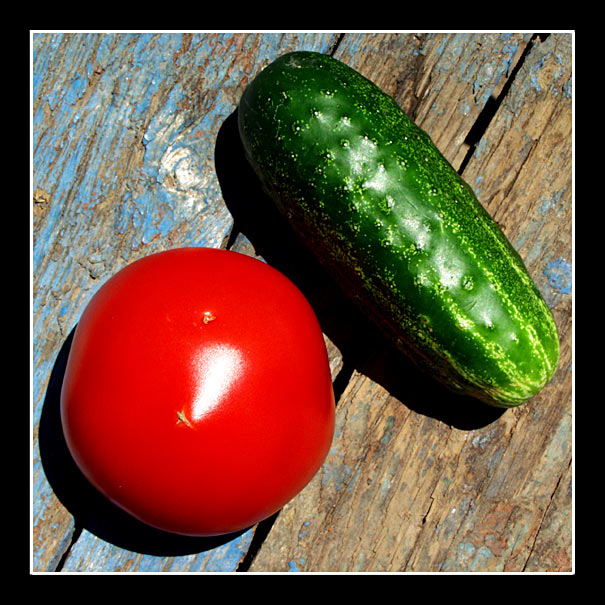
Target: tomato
x=197 y=394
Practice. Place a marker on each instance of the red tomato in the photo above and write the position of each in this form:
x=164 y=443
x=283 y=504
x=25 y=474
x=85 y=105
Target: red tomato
x=197 y=395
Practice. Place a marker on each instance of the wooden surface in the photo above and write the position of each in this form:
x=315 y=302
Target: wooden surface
x=135 y=150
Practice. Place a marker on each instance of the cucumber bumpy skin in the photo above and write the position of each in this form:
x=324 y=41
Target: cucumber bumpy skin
x=394 y=224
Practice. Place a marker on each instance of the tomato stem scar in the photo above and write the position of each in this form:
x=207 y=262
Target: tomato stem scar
x=182 y=418
x=208 y=317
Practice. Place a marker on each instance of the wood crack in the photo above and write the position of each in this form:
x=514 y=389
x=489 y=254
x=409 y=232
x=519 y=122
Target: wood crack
x=74 y=538
x=332 y=50
x=544 y=516
x=485 y=117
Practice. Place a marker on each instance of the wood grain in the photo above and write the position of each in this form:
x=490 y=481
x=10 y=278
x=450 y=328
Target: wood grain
x=135 y=150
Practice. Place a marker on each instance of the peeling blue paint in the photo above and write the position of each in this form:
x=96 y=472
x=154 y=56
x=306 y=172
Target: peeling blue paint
x=535 y=76
x=441 y=46
x=550 y=203
x=293 y=567
x=303 y=532
x=474 y=558
x=568 y=89
x=480 y=440
x=388 y=430
x=557 y=70
x=559 y=274
x=480 y=147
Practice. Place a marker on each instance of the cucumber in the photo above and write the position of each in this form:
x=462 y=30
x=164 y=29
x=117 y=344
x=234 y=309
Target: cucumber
x=399 y=230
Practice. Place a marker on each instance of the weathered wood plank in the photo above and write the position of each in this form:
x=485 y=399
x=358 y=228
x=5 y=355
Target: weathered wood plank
x=418 y=480
x=124 y=128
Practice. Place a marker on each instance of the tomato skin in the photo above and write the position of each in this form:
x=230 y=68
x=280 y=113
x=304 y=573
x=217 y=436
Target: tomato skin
x=197 y=394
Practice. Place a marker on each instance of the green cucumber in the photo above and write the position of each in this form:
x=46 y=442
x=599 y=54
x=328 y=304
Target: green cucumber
x=395 y=225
